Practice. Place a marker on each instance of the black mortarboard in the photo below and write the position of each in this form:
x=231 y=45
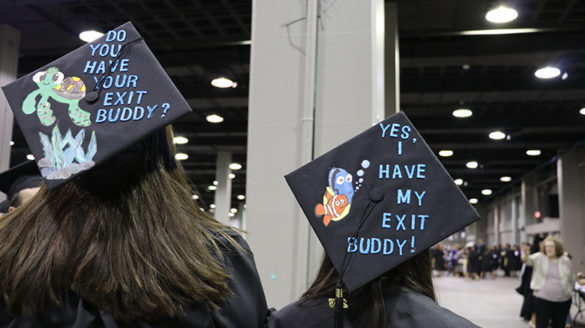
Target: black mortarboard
x=92 y=103
x=378 y=199
x=22 y=176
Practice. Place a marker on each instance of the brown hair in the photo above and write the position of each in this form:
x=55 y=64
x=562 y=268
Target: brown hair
x=367 y=303
x=127 y=237
x=559 y=250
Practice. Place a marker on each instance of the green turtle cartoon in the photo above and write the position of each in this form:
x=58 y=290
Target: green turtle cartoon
x=66 y=91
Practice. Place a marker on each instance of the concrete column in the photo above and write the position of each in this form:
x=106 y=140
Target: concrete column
x=497 y=236
x=514 y=222
x=9 y=49
x=391 y=60
x=223 y=193
x=314 y=82
x=571 y=184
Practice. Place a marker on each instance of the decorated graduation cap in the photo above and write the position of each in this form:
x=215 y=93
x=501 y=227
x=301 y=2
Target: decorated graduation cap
x=22 y=176
x=93 y=103
x=379 y=199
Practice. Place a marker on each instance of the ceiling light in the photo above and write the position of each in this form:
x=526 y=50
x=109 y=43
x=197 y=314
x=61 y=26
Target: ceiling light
x=232 y=215
x=458 y=182
x=30 y=157
x=90 y=36
x=533 y=152
x=180 y=140
x=506 y=179
x=473 y=200
x=235 y=166
x=212 y=188
x=486 y=192
x=462 y=112
x=223 y=82
x=214 y=118
x=565 y=76
x=472 y=165
x=241 y=197
x=234 y=210
x=581 y=111
x=181 y=156
x=211 y=205
x=466 y=66
x=547 y=72
x=501 y=31
x=232 y=176
x=215 y=183
x=194 y=196
x=497 y=135
x=12 y=142
x=501 y=15
x=446 y=153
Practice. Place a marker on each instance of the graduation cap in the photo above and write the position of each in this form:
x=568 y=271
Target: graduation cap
x=379 y=199
x=19 y=177
x=93 y=103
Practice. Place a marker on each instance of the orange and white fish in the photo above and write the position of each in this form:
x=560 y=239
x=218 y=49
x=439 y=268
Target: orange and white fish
x=333 y=207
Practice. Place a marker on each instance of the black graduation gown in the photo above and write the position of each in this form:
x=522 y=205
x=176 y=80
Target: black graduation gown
x=405 y=308
x=246 y=308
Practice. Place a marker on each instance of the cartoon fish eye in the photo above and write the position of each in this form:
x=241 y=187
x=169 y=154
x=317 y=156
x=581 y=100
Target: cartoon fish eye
x=38 y=77
x=340 y=180
x=336 y=203
x=348 y=178
x=58 y=77
x=342 y=201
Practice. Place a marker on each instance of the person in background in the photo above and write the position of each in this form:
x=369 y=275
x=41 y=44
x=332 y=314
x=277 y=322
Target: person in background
x=20 y=183
x=527 y=310
x=552 y=283
x=494 y=257
x=473 y=263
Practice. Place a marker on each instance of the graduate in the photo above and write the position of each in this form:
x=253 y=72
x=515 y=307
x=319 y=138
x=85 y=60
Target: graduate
x=113 y=238
x=377 y=268
x=20 y=183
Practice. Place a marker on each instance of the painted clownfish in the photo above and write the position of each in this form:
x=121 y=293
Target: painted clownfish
x=333 y=207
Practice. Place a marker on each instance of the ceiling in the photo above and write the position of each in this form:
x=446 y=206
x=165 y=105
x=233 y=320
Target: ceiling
x=442 y=68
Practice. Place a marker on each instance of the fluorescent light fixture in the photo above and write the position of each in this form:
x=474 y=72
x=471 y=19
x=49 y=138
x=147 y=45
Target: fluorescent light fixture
x=458 y=182
x=462 y=112
x=12 y=142
x=486 y=192
x=497 y=135
x=211 y=205
x=90 y=36
x=214 y=118
x=235 y=166
x=180 y=140
x=194 y=196
x=232 y=176
x=473 y=200
x=547 y=72
x=472 y=165
x=241 y=197
x=223 y=82
x=234 y=210
x=502 y=31
x=212 y=188
x=30 y=157
x=533 y=152
x=501 y=15
x=446 y=153
x=181 y=156
x=506 y=179
x=581 y=111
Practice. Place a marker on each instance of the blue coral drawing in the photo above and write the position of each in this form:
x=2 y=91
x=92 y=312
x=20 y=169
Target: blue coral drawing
x=65 y=155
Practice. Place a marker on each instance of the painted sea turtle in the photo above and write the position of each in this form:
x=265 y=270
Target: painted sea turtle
x=67 y=91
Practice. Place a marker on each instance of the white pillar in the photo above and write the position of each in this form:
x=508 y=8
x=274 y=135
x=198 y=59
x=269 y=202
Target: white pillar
x=223 y=193
x=9 y=48
x=341 y=56
x=392 y=60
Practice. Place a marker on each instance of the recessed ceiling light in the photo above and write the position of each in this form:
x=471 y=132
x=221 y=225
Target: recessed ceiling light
x=472 y=165
x=12 y=142
x=241 y=197
x=223 y=82
x=462 y=112
x=497 y=135
x=194 y=196
x=473 y=200
x=214 y=118
x=547 y=72
x=533 y=152
x=501 y=15
x=486 y=192
x=466 y=66
x=582 y=111
x=181 y=156
x=232 y=215
x=215 y=183
x=458 y=182
x=506 y=179
x=90 y=36
x=446 y=153
x=564 y=76
x=232 y=176
x=180 y=140
x=211 y=205
x=30 y=157
x=234 y=210
x=235 y=166
x=212 y=187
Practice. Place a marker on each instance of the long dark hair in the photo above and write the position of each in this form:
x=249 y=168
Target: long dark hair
x=366 y=304
x=126 y=237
